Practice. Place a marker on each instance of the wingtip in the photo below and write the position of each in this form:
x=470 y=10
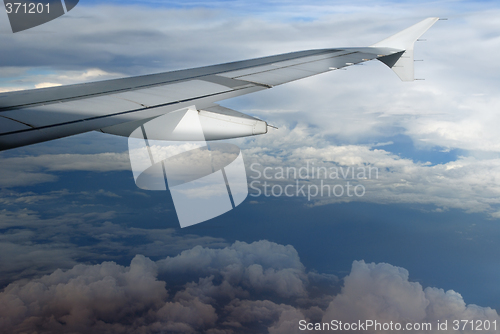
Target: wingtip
x=402 y=62
x=405 y=39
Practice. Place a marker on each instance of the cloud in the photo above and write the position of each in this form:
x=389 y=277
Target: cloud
x=93 y=74
x=216 y=295
x=84 y=297
x=31 y=170
x=33 y=243
x=287 y=322
x=112 y=298
x=11 y=89
x=47 y=84
x=52 y=78
x=262 y=266
x=467 y=183
x=59 y=78
x=383 y=292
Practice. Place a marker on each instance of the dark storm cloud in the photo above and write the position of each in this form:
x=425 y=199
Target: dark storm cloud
x=101 y=298
x=220 y=293
x=32 y=245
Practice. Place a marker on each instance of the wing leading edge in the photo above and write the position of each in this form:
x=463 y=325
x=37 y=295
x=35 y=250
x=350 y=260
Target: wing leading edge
x=118 y=106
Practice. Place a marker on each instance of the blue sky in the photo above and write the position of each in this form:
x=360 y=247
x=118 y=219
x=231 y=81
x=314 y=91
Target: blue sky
x=72 y=204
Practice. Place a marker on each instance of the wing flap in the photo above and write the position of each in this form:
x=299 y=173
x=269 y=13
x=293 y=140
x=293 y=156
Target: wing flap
x=277 y=76
x=122 y=118
x=72 y=111
x=155 y=96
x=60 y=113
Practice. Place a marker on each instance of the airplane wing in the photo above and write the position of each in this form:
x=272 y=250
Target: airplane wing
x=119 y=106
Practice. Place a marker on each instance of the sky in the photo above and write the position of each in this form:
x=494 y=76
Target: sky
x=84 y=250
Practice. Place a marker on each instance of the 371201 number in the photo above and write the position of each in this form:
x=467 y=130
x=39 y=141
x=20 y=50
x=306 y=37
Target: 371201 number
x=477 y=325
x=27 y=8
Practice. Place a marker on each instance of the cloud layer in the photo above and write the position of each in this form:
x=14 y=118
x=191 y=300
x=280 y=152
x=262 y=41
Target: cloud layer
x=467 y=183
x=243 y=288
x=32 y=244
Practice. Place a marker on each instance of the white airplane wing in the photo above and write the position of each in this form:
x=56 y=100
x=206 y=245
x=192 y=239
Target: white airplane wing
x=120 y=106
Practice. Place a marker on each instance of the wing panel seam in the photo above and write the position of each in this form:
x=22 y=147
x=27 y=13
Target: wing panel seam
x=115 y=114
x=15 y=120
x=307 y=62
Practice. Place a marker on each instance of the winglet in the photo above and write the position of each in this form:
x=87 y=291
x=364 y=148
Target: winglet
x=401 y=62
